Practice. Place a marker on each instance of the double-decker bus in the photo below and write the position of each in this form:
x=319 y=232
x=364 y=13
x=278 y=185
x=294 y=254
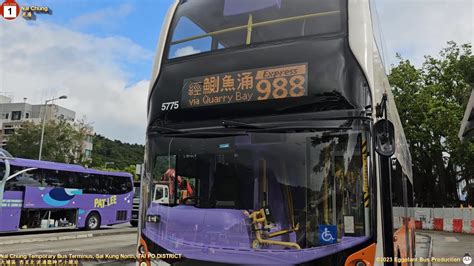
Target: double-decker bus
x=42 y=195
x=279 y=116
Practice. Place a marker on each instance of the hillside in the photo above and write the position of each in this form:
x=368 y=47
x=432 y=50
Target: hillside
x=121 y=154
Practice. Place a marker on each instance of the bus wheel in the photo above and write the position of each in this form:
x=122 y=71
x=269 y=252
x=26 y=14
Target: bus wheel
x=134 y=223
x=93 y=221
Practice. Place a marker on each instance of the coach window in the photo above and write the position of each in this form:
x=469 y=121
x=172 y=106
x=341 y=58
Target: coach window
x=84 y=182
x=55 y=178
x=98 y=184
x=51 y=178
x=70 y=180
x=18 y=183
x=124 y=184
x=106 y=185
x=90 y=183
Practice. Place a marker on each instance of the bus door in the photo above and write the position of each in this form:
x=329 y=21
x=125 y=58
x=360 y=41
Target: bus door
x=13 y=197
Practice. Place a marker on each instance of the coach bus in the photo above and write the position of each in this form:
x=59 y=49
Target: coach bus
x=41 y=195
x=279 y=115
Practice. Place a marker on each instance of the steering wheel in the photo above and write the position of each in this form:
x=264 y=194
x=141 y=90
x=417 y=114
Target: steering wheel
x=190 y=198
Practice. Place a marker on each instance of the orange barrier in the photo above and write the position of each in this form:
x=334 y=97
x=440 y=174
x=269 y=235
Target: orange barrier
x=418 y=224
x=457 y=225
x=438 y=224
x=458 y=220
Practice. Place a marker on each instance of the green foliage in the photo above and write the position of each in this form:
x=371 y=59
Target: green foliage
x=117 y=155
x=62 y=142
x=131 y=169
x=431 y=101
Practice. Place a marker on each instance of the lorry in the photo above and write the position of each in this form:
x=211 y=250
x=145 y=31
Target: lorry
x=161 y=194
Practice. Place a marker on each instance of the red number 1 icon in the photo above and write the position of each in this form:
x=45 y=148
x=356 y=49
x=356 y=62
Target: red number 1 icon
x=10 y=9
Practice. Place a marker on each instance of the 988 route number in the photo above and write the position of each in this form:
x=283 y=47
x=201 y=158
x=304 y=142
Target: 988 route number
x=170 y=106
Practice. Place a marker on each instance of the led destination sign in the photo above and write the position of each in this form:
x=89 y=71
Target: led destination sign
x=279 y=82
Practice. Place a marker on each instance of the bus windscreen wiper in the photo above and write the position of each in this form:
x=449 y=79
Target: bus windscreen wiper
x=237 y=124
x=284 y=129
x=204 y=134
x=158 y=129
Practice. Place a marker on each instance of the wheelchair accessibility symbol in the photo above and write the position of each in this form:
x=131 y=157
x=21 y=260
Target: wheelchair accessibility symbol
x=327 y=234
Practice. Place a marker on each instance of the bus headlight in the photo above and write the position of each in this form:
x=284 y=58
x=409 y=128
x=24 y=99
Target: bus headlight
x=360 y=263
x=153 y=218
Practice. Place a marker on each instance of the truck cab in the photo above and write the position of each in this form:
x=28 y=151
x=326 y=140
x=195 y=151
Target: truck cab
x=161 y=194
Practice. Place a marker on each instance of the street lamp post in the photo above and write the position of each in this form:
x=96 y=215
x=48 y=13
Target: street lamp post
x=44 y=122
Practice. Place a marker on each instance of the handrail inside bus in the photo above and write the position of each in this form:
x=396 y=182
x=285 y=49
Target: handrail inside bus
x=251 y=25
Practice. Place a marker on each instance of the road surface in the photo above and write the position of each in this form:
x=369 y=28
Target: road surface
x=112 y=241
x=447 y=245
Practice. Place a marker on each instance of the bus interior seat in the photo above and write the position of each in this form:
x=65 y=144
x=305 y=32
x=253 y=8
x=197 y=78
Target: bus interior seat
x=225 y=193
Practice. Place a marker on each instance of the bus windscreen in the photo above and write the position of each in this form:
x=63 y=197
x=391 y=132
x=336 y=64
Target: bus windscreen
x=204 y=25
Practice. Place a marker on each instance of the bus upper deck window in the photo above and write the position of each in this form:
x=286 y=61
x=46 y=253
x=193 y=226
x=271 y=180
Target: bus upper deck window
x=208 y=25
x=186 y=29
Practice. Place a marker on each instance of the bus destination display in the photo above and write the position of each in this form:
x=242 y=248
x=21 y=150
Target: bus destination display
x=279 y=82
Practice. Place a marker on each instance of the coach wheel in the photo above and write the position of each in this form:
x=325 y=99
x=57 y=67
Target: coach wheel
x=93 y=221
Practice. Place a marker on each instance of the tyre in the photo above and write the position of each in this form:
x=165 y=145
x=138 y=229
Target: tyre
x=134 y=223
x=93 y=221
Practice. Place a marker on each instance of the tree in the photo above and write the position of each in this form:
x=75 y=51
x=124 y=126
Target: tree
x=131 y=169
x=431 y=102
x=62 y=142
x=122 y=155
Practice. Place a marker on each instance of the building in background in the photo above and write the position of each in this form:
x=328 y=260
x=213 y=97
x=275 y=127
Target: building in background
x=14 y=114
x=5 y=99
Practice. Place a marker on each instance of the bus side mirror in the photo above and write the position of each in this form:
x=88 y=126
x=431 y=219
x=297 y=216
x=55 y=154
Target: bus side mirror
x=384 y=133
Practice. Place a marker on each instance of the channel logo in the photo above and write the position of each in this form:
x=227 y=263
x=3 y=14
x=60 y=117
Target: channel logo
x=9 y=9
x=467 y=260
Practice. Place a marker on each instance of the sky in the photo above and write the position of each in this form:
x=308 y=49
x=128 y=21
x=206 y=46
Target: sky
x=100 y=53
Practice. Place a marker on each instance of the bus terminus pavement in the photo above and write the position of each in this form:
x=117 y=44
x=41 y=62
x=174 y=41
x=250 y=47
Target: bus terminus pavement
x=279 y=117
x=41 y=195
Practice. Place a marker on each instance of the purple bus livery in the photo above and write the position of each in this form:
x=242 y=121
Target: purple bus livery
x=41 y=195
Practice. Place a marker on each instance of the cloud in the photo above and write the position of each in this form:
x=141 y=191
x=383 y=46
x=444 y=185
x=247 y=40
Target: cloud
x=88 y=69
x=423 y=27
x=187 y=50
x=104 y=17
